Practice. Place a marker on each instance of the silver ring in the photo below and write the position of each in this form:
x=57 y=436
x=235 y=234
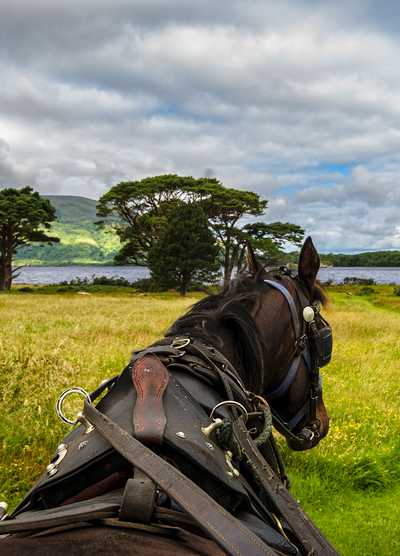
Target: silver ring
x=61 y=399
x=231 y=402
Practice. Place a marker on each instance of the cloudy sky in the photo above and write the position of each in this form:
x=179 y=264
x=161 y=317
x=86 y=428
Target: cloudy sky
x=297 y=100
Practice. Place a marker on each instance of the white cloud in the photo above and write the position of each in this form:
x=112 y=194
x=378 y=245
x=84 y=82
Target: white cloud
x=297 y=100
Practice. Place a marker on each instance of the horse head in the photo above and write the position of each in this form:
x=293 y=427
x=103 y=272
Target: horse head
x=296 y=342
x=268 y=324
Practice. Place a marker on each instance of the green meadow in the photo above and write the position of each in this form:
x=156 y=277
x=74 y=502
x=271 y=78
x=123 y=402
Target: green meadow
x=349 y=484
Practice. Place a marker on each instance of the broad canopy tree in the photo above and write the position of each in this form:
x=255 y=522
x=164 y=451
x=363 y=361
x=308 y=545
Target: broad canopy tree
x=24 y=218
x=268 y=240
x=226 y=207
x=142 y=209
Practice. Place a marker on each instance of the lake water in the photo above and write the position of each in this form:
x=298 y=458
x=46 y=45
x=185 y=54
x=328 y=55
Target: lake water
x=57 y=274
x=381 y=275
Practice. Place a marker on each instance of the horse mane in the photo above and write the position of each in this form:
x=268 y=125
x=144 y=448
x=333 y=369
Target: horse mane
x=234 y=309
x=231 y=309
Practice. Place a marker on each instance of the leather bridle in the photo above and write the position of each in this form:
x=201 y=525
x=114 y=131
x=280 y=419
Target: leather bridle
x=304 y=354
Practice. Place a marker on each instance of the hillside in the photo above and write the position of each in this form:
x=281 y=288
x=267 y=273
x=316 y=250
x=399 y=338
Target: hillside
x=366 y=259
x=81 y=242
x=370 y=258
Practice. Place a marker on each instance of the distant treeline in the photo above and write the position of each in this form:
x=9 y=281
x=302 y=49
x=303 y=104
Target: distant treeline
x=374 y=258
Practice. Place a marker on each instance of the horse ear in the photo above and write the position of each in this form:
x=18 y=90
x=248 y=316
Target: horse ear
x=308 y=264
x=253 y=266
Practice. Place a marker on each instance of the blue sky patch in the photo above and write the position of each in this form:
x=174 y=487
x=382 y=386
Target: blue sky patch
x=335 y=168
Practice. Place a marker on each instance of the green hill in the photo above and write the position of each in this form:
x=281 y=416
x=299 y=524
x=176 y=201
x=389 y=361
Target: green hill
x=72 y=209
x=370 y=258
x=81 y=241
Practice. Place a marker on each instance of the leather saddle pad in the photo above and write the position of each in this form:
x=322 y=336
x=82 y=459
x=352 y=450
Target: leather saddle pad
x=90 y=458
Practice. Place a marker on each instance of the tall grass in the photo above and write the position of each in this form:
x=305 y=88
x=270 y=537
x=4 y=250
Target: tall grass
x=348 y=484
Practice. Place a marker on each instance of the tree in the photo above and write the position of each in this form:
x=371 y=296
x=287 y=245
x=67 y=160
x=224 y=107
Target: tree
x=141 y=208
x=225 y=208
x=268 y=240
x=23 y=215
x=186 y=251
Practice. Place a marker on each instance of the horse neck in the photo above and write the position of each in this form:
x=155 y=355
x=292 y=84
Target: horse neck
x=235 y=345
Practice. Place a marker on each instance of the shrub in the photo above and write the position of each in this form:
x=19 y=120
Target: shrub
x=146 y=285
x=110 y=281
x=366 y=290
x=368 y=474
x=97 y=281
x=357 y=281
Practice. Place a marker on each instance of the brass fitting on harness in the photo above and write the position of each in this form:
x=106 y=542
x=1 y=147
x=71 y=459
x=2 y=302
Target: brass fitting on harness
x=209 y=429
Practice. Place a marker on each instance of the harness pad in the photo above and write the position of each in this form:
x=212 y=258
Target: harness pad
x=90 y=459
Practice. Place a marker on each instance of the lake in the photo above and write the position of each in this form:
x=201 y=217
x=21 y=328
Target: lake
x=57 y=274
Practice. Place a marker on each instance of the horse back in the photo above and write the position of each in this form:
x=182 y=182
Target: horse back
x=103 y=541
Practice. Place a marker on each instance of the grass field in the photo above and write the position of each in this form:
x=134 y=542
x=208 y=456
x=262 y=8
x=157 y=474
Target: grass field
x=349 y=484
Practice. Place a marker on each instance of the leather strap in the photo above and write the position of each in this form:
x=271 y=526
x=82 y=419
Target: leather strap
x=150 y=378
x=96 y=508
x=226 y=530
x=138 y=499
x=281 y=389
x=288 y=296
x=308 y=536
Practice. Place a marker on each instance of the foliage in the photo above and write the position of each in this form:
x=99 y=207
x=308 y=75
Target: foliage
x=185 y=252
x=268 y=240
x=360 y=281
x=374 y=258
x=142 y=207
x=24 y=218
x=366 y=290
x=81 y=241
x=225 y=207
x=145 y=285
x=97 y=281
x=349 y=484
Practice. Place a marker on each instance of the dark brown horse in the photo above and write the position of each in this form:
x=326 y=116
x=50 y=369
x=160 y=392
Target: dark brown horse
x=257 y=340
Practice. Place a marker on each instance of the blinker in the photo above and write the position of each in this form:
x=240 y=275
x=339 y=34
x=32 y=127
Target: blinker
x=321 y=341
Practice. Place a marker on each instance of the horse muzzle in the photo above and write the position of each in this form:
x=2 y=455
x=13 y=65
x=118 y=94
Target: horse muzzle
x=309 y=436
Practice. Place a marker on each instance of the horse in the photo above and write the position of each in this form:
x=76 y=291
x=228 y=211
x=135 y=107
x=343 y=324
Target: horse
x=178 y=456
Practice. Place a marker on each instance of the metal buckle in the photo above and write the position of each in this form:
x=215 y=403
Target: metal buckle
x=306 y=434
x=301 y=342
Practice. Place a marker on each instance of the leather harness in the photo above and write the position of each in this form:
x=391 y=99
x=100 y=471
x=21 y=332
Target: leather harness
x=312 y=356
